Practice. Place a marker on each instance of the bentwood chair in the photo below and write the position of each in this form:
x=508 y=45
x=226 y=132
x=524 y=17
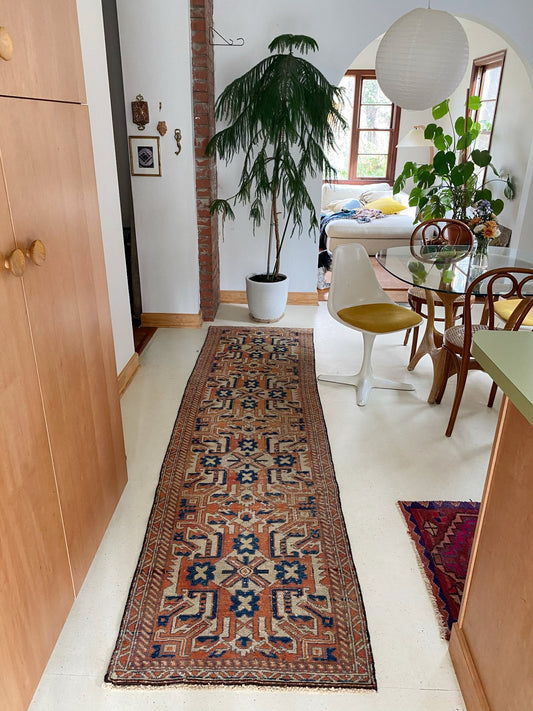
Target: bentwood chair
x=509 y=290
x=356 y=300
x=435 y=233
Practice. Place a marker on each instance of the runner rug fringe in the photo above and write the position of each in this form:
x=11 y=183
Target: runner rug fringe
x=443 y=532
x=246 y=575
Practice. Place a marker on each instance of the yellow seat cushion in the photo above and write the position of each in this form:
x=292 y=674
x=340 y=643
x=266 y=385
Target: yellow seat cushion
x=505 y=307
x=379 y=318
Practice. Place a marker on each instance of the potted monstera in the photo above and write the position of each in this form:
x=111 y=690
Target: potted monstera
x=454 y=183
x=280 y=120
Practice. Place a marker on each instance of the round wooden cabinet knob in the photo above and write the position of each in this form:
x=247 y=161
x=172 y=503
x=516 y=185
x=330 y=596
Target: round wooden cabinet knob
x=15 y=262
x=6 y=44
x=36 y=252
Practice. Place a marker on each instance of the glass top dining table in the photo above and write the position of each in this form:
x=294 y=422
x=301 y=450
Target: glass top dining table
x=444 y=275
x=431 y=269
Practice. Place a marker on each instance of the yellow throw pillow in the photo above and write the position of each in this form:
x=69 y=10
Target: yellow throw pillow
x=387 y=205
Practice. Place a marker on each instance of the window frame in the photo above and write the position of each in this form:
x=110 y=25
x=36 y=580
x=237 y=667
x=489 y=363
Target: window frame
x=359 y=76
x=479 y=67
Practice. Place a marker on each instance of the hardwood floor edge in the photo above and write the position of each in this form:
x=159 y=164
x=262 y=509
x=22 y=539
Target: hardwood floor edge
x=127 y=373
x=172 y=320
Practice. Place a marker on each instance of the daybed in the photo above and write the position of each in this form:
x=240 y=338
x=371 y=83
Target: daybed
x=340 y=216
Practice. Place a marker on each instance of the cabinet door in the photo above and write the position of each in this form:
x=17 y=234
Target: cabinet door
x=47 y=155
x=36 y=590
x=46 y=60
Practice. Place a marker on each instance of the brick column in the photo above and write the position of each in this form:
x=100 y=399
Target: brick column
x=203 y=97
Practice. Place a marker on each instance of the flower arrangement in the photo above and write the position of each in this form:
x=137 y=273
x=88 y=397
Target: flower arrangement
x=483 y=223
x=485 y=228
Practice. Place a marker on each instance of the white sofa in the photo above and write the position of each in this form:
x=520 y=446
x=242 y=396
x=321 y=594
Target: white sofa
x=390 y=231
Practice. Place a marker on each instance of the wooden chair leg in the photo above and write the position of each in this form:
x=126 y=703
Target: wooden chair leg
x=461 y=381
x=492 y=395
x=414 y=343
x=417 y=308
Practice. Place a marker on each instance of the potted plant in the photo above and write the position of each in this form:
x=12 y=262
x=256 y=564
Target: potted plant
x=452 y=184
x=281 y=116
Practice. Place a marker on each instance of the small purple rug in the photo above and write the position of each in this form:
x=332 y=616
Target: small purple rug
x=443 y=532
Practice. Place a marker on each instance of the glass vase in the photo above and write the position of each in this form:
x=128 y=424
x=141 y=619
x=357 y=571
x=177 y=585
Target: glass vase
x=480 y=257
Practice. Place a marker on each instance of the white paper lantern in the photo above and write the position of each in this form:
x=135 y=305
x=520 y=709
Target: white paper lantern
x=422 y=58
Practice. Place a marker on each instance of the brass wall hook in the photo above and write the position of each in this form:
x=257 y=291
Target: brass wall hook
x=177 y=136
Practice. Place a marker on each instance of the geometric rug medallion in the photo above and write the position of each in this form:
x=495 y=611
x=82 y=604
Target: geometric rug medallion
x=245 y=574
x=443 y=532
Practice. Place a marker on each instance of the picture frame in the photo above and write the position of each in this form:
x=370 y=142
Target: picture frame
x=145 y=155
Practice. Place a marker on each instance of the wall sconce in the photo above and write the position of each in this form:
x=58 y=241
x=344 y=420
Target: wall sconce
x=139 y=110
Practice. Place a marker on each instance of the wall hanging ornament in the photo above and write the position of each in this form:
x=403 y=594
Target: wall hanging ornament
x=177 y=137
x=139 y=110
x=145 y=155
x=422 y=58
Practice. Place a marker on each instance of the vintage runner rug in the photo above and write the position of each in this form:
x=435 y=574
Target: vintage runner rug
x=442 y=532
x=246 y=575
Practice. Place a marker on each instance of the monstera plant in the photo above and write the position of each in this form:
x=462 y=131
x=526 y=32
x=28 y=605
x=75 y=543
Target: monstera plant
x=453 y=183
x=281 y=118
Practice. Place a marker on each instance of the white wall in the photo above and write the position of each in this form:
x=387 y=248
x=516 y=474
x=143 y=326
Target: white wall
x=155 y=48
x=97 y=87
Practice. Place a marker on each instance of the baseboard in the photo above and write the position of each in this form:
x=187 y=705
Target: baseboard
x=233 y=297
x=172 y=320
x=466 y=672
x=295 y=298
x=127 y=374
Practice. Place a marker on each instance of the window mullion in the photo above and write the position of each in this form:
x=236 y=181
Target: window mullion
x=354 y=149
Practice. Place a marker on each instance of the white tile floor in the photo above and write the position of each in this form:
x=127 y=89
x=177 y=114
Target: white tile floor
x=394 y=448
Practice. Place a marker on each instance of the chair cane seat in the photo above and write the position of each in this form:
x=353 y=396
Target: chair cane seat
x=454 y=336
x=379 y=317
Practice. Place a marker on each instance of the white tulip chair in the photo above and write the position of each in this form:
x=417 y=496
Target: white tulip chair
x=356 y=300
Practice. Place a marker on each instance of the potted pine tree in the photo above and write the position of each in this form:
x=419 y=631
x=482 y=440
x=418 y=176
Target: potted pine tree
x=281 y=116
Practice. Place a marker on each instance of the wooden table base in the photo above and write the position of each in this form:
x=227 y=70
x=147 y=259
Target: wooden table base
x=431 y=342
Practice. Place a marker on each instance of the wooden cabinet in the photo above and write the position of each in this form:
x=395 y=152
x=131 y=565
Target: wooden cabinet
x=36 y=589
x=62 y=464
x=55 y=201
x=491 y=644
x=46 y=61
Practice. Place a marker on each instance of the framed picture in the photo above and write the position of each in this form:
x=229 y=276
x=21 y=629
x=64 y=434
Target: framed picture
x=145 y=155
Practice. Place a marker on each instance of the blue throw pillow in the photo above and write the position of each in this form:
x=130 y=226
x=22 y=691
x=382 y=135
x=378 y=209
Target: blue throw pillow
x=352 y=205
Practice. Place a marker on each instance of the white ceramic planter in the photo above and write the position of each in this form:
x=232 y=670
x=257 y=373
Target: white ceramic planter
x=267 y=300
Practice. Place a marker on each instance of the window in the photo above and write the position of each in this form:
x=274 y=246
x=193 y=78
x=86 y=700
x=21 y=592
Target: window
x=367 y=150
x=485 y=83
